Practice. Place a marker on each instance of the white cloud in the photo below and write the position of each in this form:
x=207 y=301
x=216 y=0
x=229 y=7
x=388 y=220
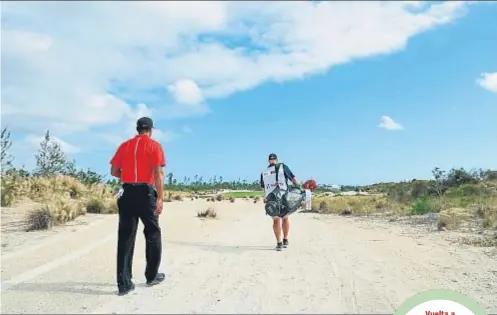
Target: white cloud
x=35 y=140
x=389 y=124
x=164 y=136
x=488 y=81
x=186 y=91
x=77 y=66
x=187 y=129
x=128 y=129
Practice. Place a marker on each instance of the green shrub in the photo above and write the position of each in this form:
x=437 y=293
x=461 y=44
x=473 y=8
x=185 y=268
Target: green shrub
x=424 y=205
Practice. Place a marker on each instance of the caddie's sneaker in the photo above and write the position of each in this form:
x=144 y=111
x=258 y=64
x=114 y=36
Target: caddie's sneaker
x=279 y=246
x=285 y=243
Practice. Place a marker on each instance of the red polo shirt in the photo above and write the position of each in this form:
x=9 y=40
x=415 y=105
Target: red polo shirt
x=137 y=158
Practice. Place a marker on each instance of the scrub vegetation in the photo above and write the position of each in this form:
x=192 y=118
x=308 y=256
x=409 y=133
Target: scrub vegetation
x=57 y=191
x=452 y=199
x=60 y=192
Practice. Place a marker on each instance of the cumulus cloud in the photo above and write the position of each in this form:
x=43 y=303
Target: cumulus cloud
x=34 y=141
x=186 y=91
x=77 y=66
x=129 y=128
x=388 y=123
x=488 y=81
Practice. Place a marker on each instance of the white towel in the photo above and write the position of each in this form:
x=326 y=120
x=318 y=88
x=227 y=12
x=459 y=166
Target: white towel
x=119 y=193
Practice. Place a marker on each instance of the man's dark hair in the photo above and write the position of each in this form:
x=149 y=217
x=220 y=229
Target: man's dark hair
x=143 y=130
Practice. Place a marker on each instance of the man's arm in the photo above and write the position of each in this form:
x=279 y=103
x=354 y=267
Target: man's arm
x=115 y=171
x=159 y=181
x=289 y=175
x=115 y=168
x=159 y=162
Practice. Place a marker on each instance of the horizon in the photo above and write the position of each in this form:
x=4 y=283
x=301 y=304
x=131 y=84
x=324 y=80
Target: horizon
x=343 y=93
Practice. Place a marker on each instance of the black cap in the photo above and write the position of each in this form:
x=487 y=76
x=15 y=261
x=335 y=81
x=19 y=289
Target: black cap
x=272 y=156
x=144 y=123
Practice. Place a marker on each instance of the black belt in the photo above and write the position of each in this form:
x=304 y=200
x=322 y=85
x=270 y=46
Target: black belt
x=137 y=185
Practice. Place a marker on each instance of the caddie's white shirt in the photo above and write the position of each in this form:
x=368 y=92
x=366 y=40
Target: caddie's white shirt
x=269 y=179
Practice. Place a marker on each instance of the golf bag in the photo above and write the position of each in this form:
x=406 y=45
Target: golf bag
x=281 y=203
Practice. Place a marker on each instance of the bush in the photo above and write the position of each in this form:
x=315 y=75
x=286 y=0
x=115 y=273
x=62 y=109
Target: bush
x=469 y=190
x=101 y=206
x=424 y=205
x=39 y=219
x=7 y=198
x=357 y=205
x=232 y=199
x=95 y=206
x=56 y=212
x=219 y=198
x=451 y=218
x=178 y=198
x=208 y=213
x=323 y=207
x=42 y=189
x=111 y=206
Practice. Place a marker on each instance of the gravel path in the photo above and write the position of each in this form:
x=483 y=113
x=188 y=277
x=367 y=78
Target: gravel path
x=228 y=265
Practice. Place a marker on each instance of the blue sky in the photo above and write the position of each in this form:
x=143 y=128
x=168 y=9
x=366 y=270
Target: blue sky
x=221 y=111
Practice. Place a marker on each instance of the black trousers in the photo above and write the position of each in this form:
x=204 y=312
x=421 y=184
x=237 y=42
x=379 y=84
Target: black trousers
x=137 y=201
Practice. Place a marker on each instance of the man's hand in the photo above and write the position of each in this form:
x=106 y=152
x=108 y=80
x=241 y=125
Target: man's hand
x=159 y=204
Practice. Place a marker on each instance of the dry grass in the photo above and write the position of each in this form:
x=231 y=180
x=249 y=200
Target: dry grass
x=15 y=189
x=209 y=213
x=56 y=212
x=481 y=241
x=177 y=195
x=451 y=219
x=167 y=197
x=61 y=199
x=356 y=205
x=458 y=208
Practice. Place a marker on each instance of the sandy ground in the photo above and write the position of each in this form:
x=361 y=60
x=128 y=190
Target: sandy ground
x=229 y=265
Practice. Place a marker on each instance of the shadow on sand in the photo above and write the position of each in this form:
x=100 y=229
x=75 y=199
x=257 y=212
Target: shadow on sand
x=70 y=287
x=221 y=248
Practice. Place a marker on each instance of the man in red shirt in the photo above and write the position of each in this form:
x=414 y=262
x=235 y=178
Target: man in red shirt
x=138 y=163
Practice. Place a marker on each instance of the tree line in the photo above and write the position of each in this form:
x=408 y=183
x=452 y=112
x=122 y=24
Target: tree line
x=52 y=161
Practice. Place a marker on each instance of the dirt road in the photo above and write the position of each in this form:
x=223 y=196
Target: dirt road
x=228 y=265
